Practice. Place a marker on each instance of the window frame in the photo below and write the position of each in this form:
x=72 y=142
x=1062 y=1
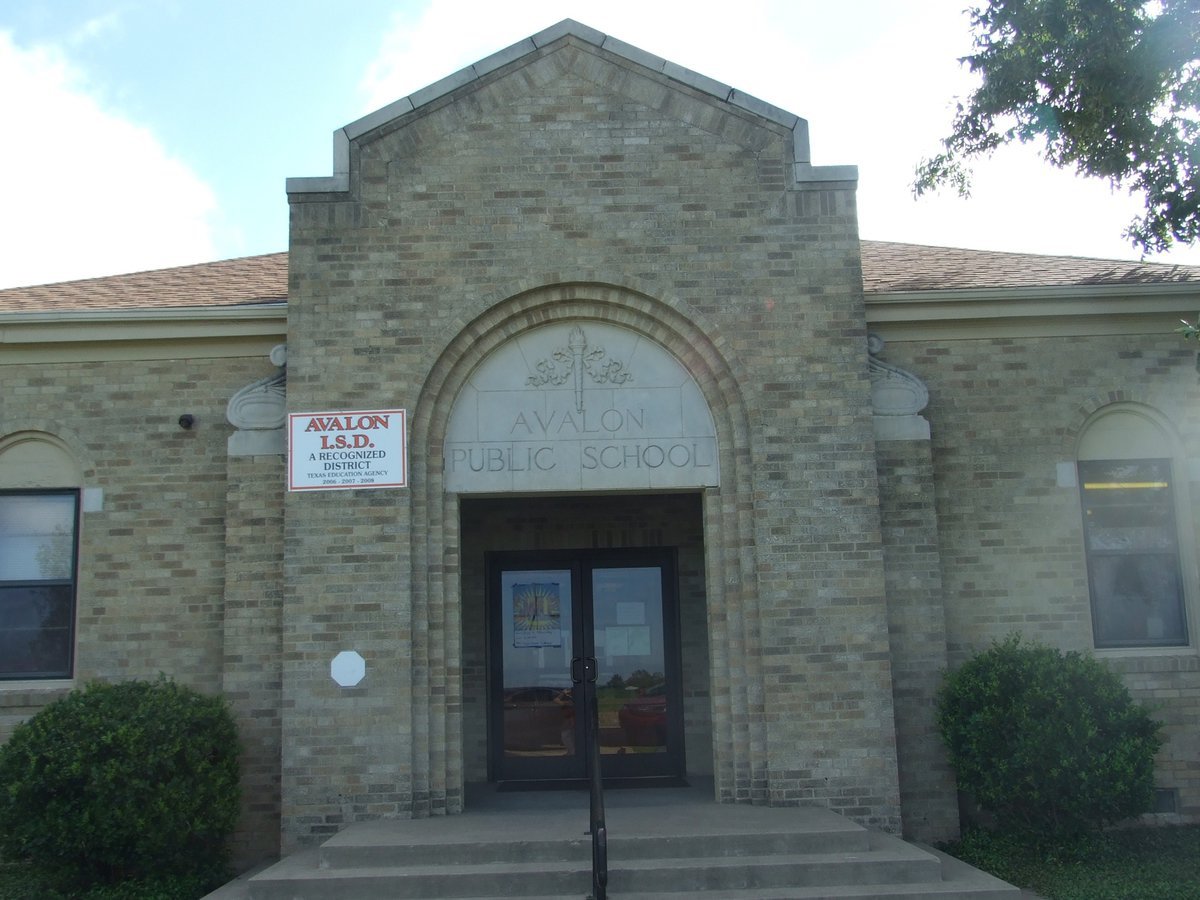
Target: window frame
x=1172 y=551
x=72 y=582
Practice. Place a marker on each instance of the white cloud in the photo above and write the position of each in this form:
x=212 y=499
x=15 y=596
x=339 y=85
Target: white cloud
x=451 y=34
x=876 y=79
x=94 y=28
x=414 y=53
x=86 y=192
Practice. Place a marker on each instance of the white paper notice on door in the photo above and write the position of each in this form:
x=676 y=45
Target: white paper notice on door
x=628 y=640
x=631 y=613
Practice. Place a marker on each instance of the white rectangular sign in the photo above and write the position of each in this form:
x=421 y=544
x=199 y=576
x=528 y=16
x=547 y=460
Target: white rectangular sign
x=335 y=451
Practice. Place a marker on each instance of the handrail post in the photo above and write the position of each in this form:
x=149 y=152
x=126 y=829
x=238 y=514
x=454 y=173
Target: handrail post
x=597 y=823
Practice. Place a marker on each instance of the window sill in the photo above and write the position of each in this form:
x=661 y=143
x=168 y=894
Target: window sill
x=1184 y=650
x=1132 y=660
x=33 y=693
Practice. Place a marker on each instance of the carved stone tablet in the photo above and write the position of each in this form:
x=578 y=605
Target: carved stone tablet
x=580 y=406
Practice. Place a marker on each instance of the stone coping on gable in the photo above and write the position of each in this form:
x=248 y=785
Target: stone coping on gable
x=804 y=170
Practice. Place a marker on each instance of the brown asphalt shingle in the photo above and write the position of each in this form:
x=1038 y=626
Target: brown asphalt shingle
x=230 y=282
x=887 y=267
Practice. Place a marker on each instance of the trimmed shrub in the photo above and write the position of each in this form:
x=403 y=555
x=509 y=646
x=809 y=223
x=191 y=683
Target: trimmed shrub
x=122 y=782
x=1049 y=742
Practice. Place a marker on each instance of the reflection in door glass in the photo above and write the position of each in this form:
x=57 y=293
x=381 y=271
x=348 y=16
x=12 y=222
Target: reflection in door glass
x=627 y=611
x=538 y=703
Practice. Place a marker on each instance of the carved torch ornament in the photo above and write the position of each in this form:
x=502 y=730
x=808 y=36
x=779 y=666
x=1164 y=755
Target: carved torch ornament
x=573 y=361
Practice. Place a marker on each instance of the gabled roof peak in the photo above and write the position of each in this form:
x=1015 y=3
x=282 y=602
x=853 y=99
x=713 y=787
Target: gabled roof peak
x=570 y=28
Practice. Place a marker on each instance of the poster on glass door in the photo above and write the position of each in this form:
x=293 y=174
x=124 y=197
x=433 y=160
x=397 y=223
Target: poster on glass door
x=537 y=620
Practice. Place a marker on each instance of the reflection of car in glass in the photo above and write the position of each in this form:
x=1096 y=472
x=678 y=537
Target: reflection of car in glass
x=536 y=717
x=644 y=718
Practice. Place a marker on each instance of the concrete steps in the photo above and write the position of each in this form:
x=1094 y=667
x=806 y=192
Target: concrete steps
x=655 y=853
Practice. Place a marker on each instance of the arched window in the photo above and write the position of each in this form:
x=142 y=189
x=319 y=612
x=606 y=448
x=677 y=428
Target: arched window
x=39 y=528
x=1128 y=492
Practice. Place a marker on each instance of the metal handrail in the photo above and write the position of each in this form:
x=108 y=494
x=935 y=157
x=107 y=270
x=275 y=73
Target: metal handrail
x=599 y=828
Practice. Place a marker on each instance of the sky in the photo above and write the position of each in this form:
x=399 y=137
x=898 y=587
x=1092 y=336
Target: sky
x=141 y=134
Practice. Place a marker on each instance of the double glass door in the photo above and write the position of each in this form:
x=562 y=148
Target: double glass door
x=570 y=625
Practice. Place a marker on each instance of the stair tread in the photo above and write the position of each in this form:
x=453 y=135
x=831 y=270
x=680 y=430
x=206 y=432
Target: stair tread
x=416 y=832
x=958 y=884
x=848 y=892
x=997 y=891
x=689 y=847
x=858 y=856
x=862 y=891
x=882 y=855
x=404 y=860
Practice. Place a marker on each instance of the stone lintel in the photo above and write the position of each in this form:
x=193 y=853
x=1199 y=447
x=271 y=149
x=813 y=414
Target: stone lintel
x=901 y=428
x=338 y=184
x=808 y=175
x=271 y=442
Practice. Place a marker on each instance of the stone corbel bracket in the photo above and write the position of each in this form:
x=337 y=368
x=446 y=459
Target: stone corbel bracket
x=897 y=398
x=259 y=411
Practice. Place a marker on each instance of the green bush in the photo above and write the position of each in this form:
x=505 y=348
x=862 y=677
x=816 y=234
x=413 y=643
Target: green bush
x=1050 y=743
x=122 y=782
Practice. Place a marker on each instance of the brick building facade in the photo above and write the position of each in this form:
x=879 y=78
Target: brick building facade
x=635 y=334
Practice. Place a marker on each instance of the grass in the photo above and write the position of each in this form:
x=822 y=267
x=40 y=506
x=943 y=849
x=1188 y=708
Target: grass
x=1133 y=864
x=20 y=882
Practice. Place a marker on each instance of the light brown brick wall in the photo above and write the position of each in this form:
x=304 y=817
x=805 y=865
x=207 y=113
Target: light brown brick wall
x=579 y=170
x=152 y=561
x=1003 y=413
x=252 y=640
x=916 y=623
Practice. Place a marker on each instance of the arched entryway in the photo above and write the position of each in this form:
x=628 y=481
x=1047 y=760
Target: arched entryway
x=578 y=477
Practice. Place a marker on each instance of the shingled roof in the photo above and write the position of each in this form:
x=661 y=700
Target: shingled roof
x=229 y=282
x=888 y=267
x=895 y=268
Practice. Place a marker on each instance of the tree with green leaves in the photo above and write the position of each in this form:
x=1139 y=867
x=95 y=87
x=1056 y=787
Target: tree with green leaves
x=1111 y=88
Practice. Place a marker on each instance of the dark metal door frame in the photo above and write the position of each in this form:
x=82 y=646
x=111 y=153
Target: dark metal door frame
x=620 y=764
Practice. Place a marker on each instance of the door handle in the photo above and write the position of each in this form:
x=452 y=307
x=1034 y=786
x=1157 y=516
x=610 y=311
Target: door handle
x=584 y=668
